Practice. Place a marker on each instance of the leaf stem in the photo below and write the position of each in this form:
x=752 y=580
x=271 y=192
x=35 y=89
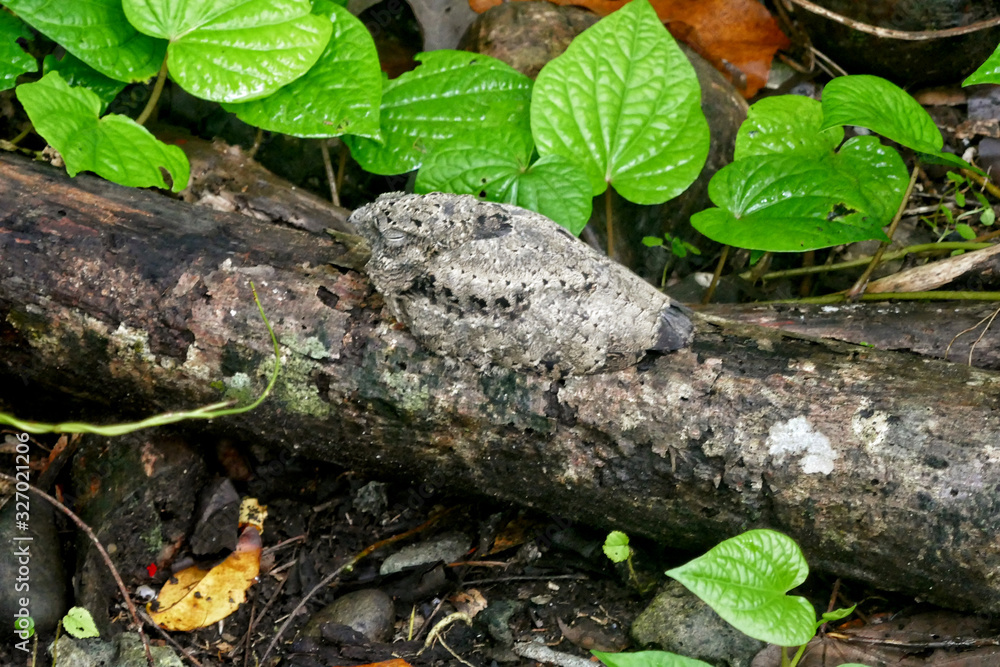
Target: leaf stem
x=25 y=132
x=710 y=292
x=798 y=655
x=862 y=282
x=608 y=222
x=155 y=96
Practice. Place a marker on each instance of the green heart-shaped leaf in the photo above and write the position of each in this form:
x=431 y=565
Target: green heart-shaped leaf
x=745 y=580
x=495 y=165
x=451 y=94
x=794 y=203
x=881 y=106
x=234 y=50
x=785 y=124
x=13 y=60
x=623 y=101
x=75 y=72
x=114 y=147
x=988 y=72
x=616 y=546
x=339 y=95
x=97 y=33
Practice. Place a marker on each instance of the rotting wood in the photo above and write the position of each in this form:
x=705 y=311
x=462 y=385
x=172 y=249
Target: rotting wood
x=884 y=466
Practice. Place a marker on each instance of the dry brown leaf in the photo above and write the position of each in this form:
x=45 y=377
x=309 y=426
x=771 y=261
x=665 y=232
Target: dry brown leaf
x=195 y=598
x=514 y=534
x=921 y=640
x=590 y=635
x=739 y=37
x=469 y=602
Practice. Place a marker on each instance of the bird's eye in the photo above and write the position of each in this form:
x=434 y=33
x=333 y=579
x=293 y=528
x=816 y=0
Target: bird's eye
x=394 y=236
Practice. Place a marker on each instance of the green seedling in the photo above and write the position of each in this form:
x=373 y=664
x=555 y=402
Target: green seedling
x=616 y=548
x=671 y=244
x=79 y=623
x=796 y=186
x=960 y=187
x=745 y=580
x=677 y=247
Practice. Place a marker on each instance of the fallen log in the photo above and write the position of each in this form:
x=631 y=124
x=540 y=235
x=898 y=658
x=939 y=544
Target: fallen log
x=957 y=331
x=882 y=465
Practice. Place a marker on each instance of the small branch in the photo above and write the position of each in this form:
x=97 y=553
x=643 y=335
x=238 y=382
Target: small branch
x=170 y=640
x=342 y=167
x=887 y=257
x=889 y=33
x=982 y=181
x=862 y=282
x=331 y=178
x=258 y=139
x=347 y=566
x=104 y=555
x=937 y=295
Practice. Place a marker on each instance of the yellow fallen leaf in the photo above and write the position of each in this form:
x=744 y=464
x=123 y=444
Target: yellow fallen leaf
x=195 y=598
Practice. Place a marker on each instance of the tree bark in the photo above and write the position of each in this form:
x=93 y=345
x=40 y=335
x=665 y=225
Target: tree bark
x=884 y=466
x=962 y=332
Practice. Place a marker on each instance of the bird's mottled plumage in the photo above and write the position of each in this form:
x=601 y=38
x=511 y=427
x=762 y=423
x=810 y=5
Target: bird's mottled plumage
x=495 y=284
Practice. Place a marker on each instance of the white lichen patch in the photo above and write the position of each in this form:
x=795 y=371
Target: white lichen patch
x=871 y=426
x=798 y=437
x=310 y=346
x=765 y=344
x=132 y=344
x=197 y=365
x=802 y=366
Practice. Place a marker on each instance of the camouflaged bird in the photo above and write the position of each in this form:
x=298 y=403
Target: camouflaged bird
x=497 y=285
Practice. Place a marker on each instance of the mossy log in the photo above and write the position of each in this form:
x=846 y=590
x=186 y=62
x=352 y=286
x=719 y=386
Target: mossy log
x=884 y=466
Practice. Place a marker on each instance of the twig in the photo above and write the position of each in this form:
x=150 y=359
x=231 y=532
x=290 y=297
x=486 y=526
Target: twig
x=342 y=167
x=887 y=257
x=427 y=621
x=982 y=181
x=524 y=577
x=170 y=640
x=441 y=625
x=889 y=33
x=331 y=178
x=937 y=295
x=989 y=322
x=347 y=566
x=104 y=554
x=258 y=139
x=862 y=282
